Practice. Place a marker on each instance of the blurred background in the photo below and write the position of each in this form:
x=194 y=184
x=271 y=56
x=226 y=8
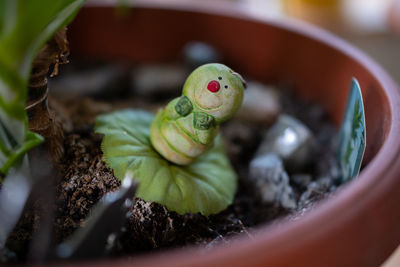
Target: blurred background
x=371 y=25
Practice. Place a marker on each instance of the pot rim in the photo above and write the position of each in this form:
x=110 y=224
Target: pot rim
x=375 y=178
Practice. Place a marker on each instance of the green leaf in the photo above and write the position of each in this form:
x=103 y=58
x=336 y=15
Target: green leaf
x=32 y=140
x=352 y=135
x=25 y=25
x=207 y=185
x=29 y=24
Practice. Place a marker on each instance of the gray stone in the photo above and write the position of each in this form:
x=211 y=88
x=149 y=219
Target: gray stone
x=271 y=180
x=198 y=53
x=154 y=79
x=291 y=140
x=102 y=80
x=218 y=241
x=316 y=191
x=260 y=104
x=301 y=180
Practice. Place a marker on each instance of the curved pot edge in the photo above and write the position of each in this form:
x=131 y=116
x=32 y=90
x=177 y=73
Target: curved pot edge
x=367 y=180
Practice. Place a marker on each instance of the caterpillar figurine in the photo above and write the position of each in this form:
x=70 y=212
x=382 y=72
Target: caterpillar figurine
x=187 y=126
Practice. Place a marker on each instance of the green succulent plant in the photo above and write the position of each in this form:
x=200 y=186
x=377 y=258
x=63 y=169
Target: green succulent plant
x=24 y=27
x=352 y=138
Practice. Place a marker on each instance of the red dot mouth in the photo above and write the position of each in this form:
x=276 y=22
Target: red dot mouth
x=213 y=86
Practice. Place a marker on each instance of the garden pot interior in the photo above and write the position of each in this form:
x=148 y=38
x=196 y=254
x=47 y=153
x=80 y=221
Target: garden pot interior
x=359 y=225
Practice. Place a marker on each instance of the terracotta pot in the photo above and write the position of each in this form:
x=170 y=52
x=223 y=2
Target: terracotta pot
x=360 y=224
x=394 y=16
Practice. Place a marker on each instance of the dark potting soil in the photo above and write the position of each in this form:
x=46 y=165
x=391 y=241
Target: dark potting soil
x=84 y=179
x=151 y=226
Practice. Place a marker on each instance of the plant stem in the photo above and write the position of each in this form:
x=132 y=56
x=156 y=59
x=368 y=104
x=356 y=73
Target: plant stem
x=41 y=119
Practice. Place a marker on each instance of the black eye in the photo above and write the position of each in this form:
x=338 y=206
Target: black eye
x=220 y=78
x=226 y=86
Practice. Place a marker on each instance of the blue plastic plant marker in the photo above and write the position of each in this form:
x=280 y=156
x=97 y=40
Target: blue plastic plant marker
x=352 y=135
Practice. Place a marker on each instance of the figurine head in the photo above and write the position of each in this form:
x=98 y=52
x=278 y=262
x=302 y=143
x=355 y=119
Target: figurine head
x=216 y=90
